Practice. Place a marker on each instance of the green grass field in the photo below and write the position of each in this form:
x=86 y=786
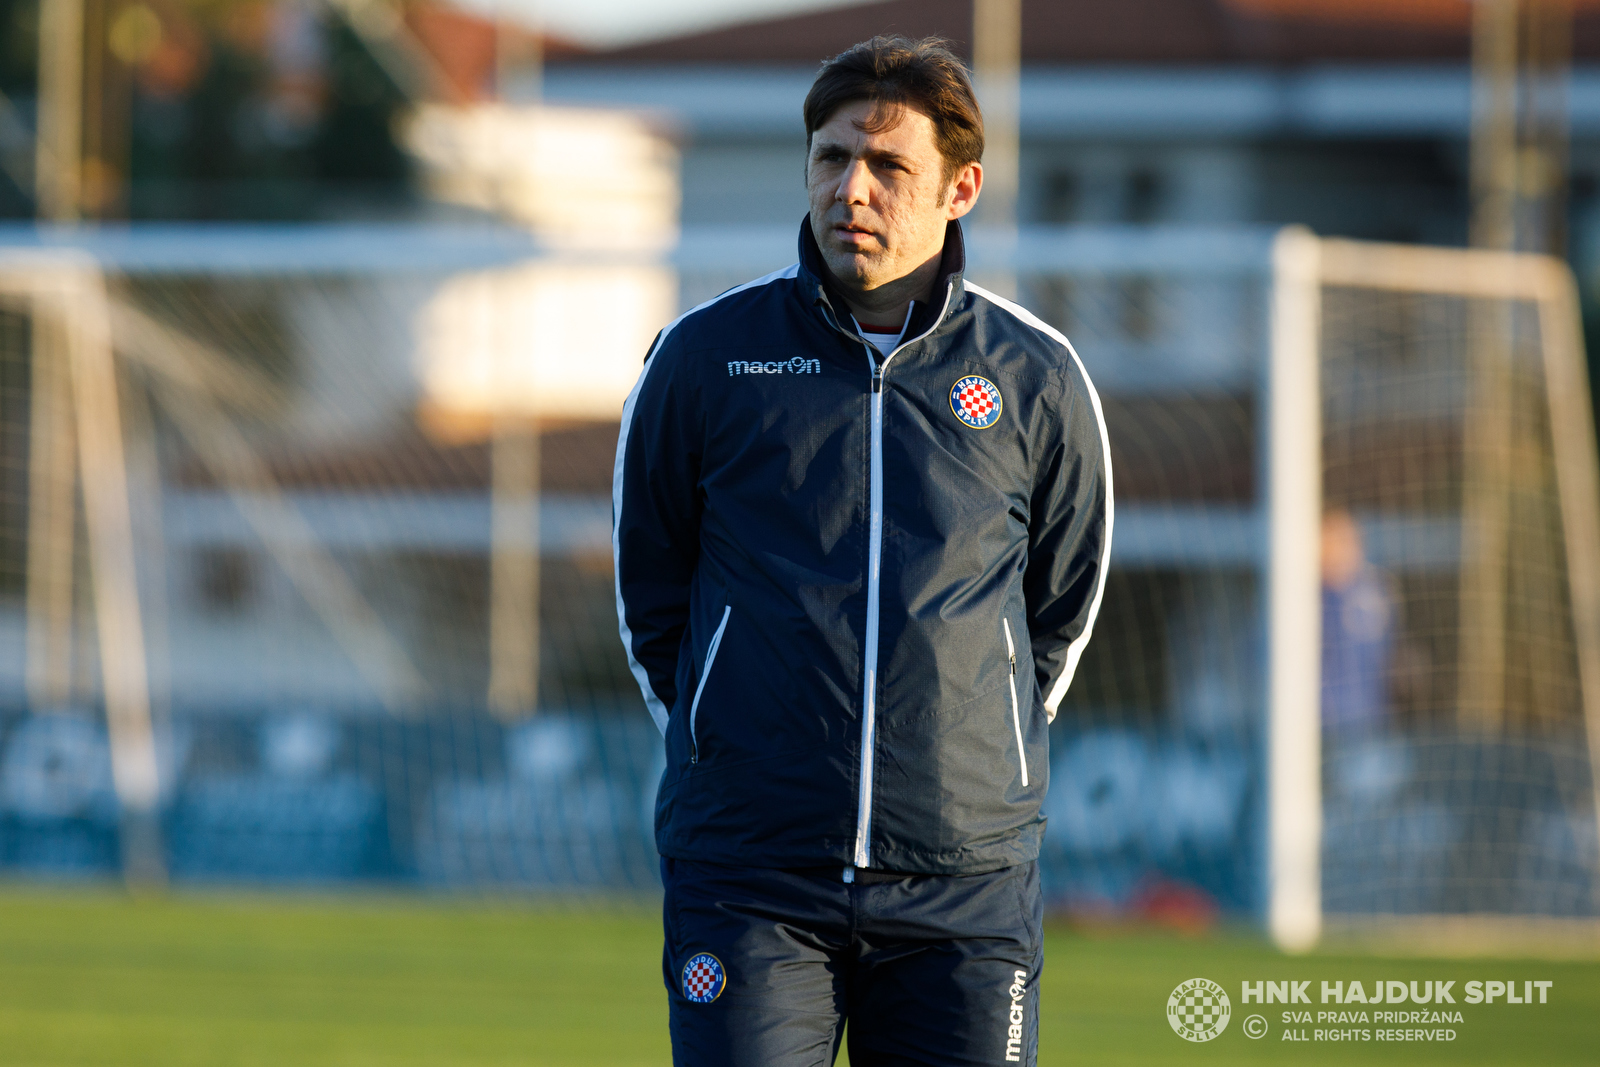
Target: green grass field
x=90 y=977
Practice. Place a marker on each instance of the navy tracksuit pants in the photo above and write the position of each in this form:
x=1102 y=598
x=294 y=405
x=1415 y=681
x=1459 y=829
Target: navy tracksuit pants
x=763 y=967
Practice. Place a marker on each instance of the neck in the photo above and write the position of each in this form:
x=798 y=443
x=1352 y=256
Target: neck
x=887 y=304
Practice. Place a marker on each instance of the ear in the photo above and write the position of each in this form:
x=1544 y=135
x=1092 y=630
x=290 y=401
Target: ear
x=962 y=195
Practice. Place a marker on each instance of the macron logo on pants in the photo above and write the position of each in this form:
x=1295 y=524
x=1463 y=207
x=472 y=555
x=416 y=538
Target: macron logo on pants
x=1019 y=986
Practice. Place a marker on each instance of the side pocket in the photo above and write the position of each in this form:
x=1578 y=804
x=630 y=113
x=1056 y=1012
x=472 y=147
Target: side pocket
x=711 y=657
x=1016 y=714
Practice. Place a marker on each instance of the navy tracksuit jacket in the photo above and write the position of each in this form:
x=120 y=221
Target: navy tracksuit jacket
x=835 y=571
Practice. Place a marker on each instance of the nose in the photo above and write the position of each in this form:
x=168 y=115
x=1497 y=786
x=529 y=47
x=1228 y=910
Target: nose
x=854 y=184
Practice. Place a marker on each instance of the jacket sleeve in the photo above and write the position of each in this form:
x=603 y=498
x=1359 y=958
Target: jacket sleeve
x=655 y=523
x=1069 y=539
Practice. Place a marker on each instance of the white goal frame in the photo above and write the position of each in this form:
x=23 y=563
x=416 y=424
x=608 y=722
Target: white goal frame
x=1302 y=266
x=77 y=436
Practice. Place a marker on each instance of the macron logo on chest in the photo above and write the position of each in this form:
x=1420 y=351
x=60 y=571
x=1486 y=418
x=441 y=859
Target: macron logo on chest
x=797 y=365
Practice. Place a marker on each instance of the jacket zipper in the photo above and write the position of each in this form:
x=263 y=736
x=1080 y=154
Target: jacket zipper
x=1016 y=715
x=869 y=718
x=711 y=656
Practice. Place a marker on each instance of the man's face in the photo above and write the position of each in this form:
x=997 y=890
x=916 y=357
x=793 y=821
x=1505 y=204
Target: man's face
x=879 y=202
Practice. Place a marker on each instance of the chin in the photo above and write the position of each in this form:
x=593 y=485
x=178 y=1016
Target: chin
x=854 y=267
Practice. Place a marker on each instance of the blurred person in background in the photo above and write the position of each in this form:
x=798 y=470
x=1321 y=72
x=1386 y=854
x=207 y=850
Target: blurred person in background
x=1358 y=634
x=849 y=498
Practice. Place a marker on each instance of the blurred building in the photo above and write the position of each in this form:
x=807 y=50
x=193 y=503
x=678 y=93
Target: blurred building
x=1352 y=119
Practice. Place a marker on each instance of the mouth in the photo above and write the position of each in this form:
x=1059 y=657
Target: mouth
x=853 y=235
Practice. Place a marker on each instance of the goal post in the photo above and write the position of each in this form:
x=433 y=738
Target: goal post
x=65 y=295
x=322 y=475
x=1442 y=395
x=1293 y=484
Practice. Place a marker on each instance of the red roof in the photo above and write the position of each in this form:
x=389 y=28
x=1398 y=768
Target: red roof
x=1274 y=32
x=465 y=48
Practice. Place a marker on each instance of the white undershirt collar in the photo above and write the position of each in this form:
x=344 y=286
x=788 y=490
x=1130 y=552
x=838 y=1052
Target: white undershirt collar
x=885 y=342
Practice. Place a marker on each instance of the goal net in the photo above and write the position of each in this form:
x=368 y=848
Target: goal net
x=306 y=540
x=1347 y=671
x=1460 y=656
x=353 y=617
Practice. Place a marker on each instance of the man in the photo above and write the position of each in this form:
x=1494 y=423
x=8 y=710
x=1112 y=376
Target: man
x=850 y=498
x=1357 y=636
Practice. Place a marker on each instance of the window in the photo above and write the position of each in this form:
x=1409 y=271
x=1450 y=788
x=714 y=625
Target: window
x=226 y=579
x=1142 y=197
x=1059 y=200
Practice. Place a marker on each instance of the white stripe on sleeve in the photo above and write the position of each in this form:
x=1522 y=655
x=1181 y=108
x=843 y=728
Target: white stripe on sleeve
x=658 y=711
x=1052 y=699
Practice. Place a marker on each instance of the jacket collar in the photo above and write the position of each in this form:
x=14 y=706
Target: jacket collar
x=823 y=289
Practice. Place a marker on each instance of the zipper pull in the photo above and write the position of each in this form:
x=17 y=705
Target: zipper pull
x=877 y=377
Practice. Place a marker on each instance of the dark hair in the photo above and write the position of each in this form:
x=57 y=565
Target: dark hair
x=897 y=72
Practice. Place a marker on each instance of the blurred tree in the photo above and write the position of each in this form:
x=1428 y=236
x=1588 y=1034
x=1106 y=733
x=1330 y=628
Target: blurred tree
x=19 y=38
x=19 y=34
x=247 y=109
x=240 y=109
x=355 y=145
